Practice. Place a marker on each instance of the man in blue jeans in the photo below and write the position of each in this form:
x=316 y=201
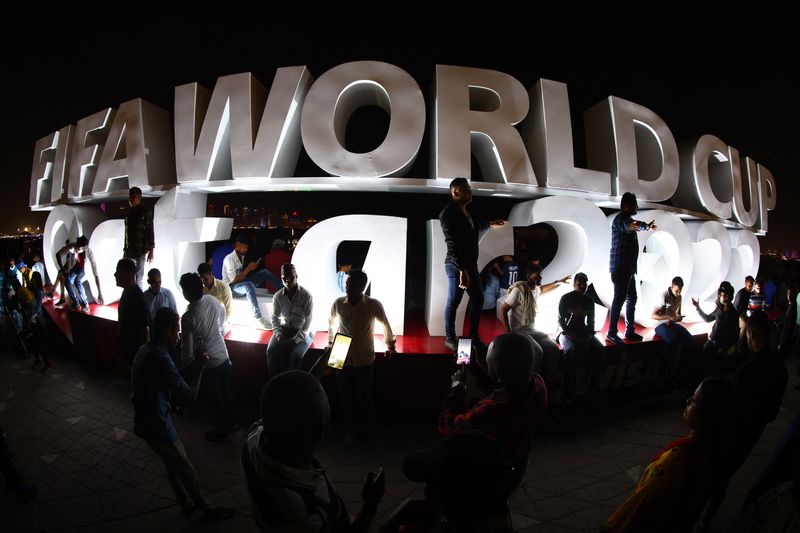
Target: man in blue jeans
x=622 y=265
x=75 y=272
x=292 y=307
x=243 y=281
x=461 y=262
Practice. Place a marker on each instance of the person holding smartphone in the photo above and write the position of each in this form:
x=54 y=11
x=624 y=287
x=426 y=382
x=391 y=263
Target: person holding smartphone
x=511 y=410
x=243 y=280
x=676 y=338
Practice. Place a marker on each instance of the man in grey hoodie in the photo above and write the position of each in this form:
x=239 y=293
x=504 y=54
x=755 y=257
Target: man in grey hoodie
x=288 y=486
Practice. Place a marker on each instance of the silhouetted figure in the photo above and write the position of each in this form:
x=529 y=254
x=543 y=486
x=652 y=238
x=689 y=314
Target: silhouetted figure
x=675 y=486
x=724 y=333
x=132 y=310
x=759 y=385
x=292 y=308
x=15 y=479
x=288 y=486
x=468 y=478
x=511 y=410
x=139 y=234
x=154 y=379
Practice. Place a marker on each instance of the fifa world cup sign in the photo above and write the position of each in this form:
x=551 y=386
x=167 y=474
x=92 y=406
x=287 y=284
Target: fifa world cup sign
x=708 y=200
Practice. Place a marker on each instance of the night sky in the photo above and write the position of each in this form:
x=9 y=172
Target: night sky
x=735 y=77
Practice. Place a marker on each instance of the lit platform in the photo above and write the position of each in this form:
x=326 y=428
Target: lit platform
x=409 y=384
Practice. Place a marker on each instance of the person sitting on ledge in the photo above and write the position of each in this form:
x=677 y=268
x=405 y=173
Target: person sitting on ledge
x=724 y=334
x=511 y=410
x=676 y=338
x=243 y=281
x=216 y=288
x=157 y=296
x=521 y=305
x=288 y=486
x=576 y=320
x=291 y=324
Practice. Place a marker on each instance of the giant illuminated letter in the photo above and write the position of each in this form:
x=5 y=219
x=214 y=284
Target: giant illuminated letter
x=342 y=90
x=635 y=146
x=139 y=151
x=584 y=239
x=90 y=138
x=239 y=131
x=475 y=110
x=548 y=136
x=706 y=177
x=50 y=169
x=385 y=265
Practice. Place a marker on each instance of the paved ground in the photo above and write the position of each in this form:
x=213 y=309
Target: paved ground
x=71 y=432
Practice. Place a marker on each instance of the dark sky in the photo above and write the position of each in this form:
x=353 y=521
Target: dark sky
x=735 y=77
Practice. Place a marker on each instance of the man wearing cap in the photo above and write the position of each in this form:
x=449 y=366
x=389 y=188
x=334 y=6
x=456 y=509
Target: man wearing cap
x=139 y=234
x=724 y=333
x=278 y=256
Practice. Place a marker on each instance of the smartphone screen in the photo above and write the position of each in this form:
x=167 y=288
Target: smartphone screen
x=341 y=345
x=463 y=355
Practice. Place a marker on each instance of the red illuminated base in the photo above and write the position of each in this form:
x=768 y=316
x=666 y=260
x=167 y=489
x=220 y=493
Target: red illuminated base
x=410 y=384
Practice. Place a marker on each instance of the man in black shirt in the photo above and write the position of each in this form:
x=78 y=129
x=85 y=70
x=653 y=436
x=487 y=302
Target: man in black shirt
x=461 y=262
x=132 y=310
x=740 y=302
x=576 y=319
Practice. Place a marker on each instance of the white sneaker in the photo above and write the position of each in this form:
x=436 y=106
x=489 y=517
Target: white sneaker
x=263 y=324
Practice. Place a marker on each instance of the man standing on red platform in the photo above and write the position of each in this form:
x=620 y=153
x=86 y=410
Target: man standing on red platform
x=622 y=265
x=461 y=230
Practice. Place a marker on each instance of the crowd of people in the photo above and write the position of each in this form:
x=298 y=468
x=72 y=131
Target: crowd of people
x=487 y=422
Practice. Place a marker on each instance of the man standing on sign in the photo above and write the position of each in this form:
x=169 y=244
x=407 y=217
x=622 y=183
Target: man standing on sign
x=622 y=265
x=139 y=234
x=461 y=262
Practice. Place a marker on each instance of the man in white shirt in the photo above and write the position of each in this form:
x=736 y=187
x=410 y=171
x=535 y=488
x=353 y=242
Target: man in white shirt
x=354 y=315
x=244 y=280
x=157 y=296
x=202 y=327
x=292 y=307
x=521 y=305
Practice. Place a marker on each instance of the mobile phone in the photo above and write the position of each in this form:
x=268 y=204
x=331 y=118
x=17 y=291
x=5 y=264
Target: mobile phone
x=464 y=353
x=341 y=345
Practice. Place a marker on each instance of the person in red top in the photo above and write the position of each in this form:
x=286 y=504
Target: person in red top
x=510 y=412
x=279 y=255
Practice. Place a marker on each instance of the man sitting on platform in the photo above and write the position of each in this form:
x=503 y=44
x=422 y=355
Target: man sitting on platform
x=521 y=302
x=292 y=307
x=576 y=319
x=676 y=338
x=157 y=296
x=243 y=281
x=216 y=288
